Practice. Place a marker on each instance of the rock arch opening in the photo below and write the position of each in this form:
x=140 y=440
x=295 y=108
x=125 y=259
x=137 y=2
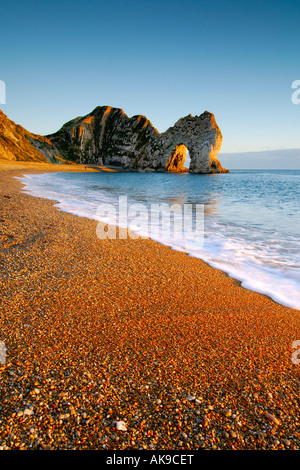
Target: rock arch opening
x=179 y=160
x=187 y=159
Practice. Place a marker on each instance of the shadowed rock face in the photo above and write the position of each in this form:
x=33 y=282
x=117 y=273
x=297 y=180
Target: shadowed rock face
x=108 y=136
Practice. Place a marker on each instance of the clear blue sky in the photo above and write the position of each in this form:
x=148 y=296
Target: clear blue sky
x=164 y=59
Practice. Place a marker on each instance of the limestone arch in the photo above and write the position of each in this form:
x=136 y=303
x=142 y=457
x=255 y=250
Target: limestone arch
x=176 y=157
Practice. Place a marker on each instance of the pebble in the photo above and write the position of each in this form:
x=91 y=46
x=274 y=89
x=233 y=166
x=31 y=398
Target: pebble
x=227 y=413
x=120 y=426
x=272 y=418
x=28 y=412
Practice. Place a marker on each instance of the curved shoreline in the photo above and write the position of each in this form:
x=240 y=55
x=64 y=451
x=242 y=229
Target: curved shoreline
x=93 y=168
x=247 y=282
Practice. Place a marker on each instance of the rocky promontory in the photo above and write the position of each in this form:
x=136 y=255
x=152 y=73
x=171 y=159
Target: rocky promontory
x=107 y=136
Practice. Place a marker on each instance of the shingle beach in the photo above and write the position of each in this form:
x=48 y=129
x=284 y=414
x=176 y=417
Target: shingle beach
x=128 y=344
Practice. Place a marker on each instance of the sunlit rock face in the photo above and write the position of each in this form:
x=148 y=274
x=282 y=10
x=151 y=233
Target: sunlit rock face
x=108 y=136
x=17 y=144
x=177 y=159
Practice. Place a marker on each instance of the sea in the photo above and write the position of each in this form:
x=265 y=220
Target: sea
x=245 y=223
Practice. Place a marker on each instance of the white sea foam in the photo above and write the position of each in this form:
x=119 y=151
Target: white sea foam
x=264 y=260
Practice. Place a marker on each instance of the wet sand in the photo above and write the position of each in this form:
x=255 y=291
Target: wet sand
x=101 y=331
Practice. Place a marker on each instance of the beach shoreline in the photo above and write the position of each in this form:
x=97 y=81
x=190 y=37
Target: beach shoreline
x=99 y=331
x=98 y=168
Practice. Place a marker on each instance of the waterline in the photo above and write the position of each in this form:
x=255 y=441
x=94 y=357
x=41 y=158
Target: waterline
x=250 y=219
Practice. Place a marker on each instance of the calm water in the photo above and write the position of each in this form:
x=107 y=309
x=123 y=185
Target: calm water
x=251 y=218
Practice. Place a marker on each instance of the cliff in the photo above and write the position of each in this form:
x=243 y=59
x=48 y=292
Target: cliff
x=107 y=136
x=16 y=143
